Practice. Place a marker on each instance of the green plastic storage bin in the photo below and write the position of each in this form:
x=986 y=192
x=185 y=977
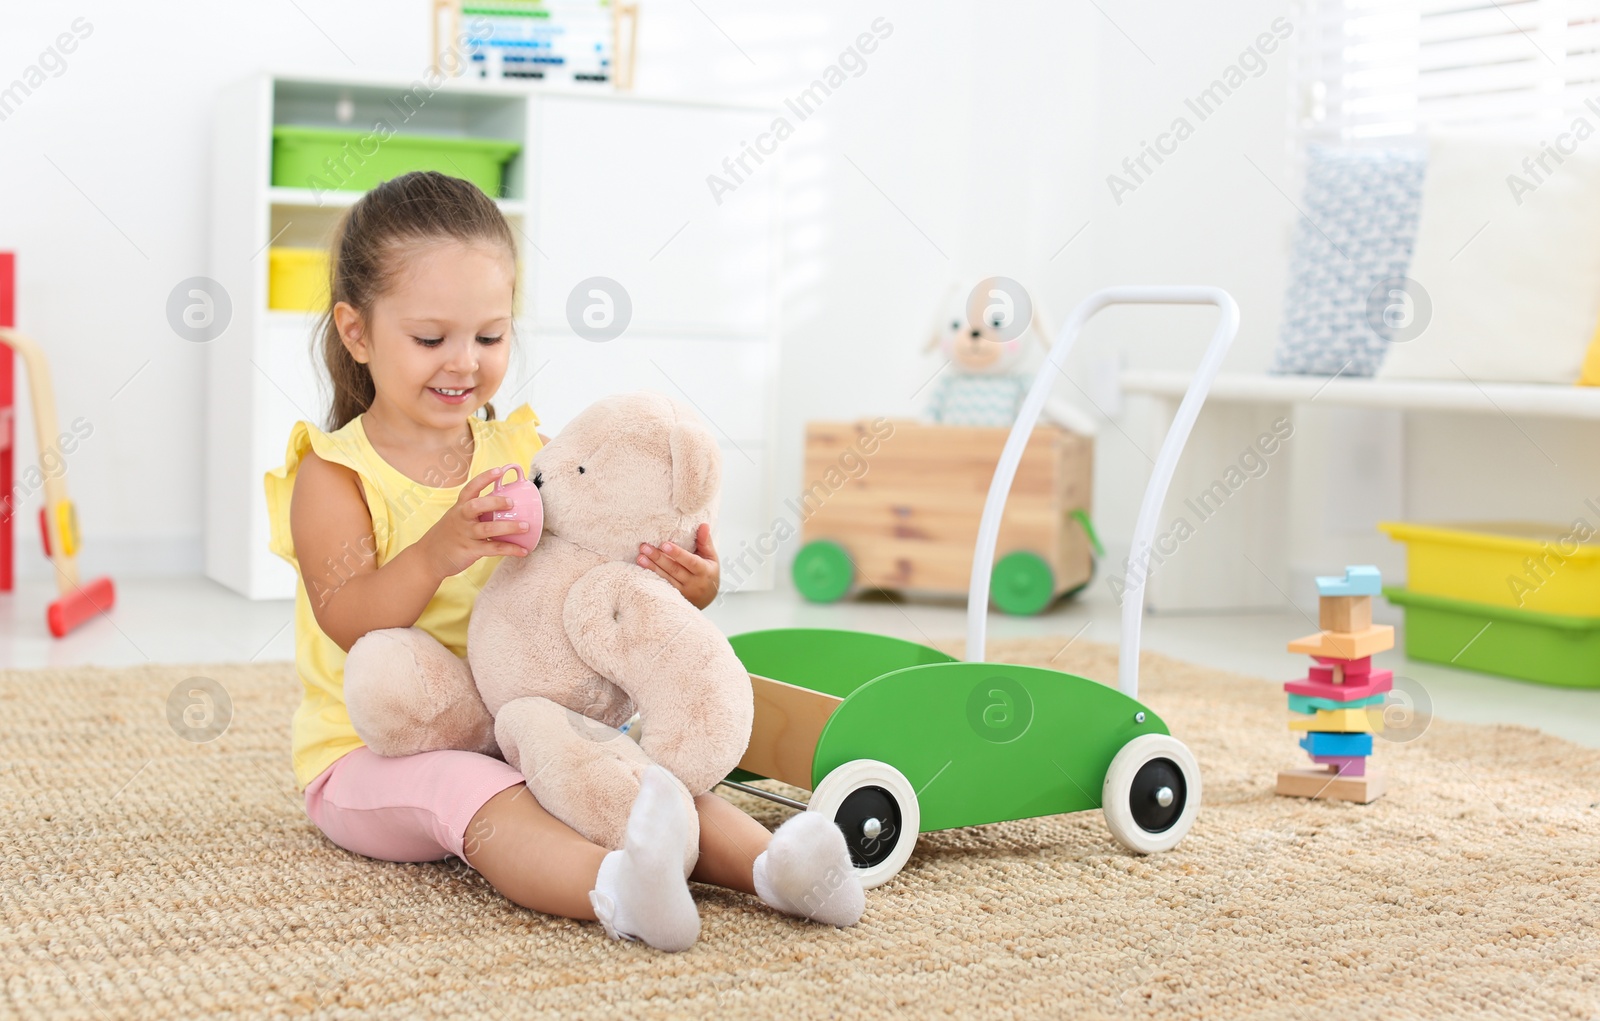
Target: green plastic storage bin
x=1545 y=648
x=361 y=159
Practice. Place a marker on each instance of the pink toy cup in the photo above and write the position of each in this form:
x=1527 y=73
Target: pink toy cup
x=525 y=506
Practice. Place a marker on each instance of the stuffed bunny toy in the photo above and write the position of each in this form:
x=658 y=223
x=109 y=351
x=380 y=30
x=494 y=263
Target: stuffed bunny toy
x=986 y=354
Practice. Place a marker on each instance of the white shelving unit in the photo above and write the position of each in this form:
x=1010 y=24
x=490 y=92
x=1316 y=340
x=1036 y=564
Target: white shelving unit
x=1257 y=554
x=1540 y=400
x=605 y=185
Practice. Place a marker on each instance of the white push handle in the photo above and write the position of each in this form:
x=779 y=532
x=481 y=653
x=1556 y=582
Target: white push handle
x=1155 y=493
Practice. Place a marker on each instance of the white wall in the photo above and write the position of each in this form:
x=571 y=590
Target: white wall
x=1203 y=216
x=105 y=173
x=977 y=142
x=960 y=153
x=974 y=134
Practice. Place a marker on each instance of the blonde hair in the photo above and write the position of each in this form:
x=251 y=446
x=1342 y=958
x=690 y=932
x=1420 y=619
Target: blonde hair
x=416 y=208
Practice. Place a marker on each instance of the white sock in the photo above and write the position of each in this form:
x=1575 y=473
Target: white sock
x=806 y=871
x=640 y=892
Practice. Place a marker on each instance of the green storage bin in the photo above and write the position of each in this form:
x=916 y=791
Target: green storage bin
x=1545 y=648
x=361 y=160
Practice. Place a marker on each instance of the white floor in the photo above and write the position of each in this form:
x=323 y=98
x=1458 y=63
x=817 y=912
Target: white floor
x=194 y=620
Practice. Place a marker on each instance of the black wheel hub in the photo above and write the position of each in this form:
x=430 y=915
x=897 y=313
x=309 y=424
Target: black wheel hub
x=870 y=821
x=1144 y=797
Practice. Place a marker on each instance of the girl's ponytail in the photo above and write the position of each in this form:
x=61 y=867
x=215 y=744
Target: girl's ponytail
x=352 y=383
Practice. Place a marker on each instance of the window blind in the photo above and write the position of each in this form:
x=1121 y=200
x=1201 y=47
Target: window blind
x=1382 y=69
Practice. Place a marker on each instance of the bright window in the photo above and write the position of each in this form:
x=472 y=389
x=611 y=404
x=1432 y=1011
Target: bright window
x=1377 y=69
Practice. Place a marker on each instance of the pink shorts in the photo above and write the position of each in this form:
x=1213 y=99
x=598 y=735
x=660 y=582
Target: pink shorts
x=411 y=808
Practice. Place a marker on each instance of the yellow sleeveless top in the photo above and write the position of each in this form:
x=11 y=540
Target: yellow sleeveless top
x=402 y=511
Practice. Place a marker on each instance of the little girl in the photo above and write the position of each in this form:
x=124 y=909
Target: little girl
x=379 y=517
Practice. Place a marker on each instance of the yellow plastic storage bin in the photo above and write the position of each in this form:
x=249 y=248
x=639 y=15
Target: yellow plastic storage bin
x=297 y=279
x=1517 y=564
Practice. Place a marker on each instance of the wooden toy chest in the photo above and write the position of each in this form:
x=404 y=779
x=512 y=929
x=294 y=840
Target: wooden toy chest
x=895 y=504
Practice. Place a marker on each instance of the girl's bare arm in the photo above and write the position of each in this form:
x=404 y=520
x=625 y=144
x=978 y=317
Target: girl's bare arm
x=350 y=594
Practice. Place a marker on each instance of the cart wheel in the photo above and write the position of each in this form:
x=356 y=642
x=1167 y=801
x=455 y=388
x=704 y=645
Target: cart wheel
x=876 y=808
x=823 y=572
x=1152 y=793
x=1022 y=583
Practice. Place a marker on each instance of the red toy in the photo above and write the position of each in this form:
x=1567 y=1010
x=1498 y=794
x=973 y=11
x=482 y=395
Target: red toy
x=58 y=520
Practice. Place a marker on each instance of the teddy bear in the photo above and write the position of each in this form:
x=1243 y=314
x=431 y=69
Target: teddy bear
x=566 y=643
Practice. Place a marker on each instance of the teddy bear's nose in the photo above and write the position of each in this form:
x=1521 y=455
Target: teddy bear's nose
x=538 y=480
x=977 y=333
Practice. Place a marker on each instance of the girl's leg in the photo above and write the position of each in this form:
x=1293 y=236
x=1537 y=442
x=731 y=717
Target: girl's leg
x=429 y=806
x=803 y=869
x=730 y=842
x=531 y=857
x=637 y=892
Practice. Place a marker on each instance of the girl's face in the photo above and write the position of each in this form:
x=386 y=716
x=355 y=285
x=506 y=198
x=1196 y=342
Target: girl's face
x=437 y=344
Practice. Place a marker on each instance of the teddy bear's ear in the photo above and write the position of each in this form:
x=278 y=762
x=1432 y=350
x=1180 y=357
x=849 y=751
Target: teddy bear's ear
x=696 y=466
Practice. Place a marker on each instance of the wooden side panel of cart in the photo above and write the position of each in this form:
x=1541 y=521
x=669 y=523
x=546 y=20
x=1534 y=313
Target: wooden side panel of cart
x=783 y=739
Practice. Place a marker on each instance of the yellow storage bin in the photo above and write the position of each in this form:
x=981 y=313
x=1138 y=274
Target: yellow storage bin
x=297 y=279
x=1517 y=564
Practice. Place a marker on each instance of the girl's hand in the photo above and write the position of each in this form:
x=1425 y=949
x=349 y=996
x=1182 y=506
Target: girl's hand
x=458 y=540
x=697 y=577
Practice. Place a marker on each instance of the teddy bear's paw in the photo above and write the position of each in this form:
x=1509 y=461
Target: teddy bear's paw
x=806 y=871
x=640 y=892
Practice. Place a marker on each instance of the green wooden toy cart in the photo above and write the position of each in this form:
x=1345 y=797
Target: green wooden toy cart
x=894 y=739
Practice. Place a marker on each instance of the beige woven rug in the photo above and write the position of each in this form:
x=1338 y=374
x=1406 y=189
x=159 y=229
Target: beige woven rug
x=143 y=875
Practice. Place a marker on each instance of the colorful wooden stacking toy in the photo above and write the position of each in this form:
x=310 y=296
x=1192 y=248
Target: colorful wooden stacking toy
x=1338 y=705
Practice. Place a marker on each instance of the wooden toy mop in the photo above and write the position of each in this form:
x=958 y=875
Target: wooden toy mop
x=58 y=520
x=1338 y=706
